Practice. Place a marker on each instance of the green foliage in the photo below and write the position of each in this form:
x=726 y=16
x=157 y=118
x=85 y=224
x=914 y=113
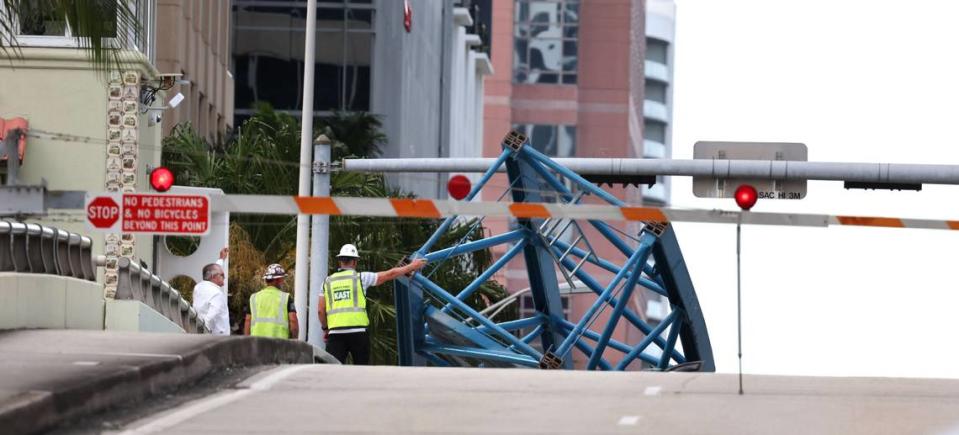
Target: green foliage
x=353 y=134
x=262 y=157
x=95 y=24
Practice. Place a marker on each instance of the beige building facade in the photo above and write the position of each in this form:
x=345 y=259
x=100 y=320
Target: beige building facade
x=65 y=101
x=97 y=131
x=195 y=42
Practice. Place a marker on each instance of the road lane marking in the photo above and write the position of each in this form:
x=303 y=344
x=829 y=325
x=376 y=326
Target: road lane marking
x=652 y=391
x=629 y=420
x=197 y=407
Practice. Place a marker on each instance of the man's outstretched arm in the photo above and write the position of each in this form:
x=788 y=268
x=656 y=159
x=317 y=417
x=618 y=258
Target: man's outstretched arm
x=396 y=272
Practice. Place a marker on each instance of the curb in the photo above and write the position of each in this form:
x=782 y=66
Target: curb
x=40 y=410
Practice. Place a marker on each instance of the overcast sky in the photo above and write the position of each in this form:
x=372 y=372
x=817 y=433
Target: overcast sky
x=856 y=81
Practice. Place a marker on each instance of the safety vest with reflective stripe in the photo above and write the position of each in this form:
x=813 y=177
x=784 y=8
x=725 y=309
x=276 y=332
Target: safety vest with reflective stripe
x=268 y=313
x=345 y=301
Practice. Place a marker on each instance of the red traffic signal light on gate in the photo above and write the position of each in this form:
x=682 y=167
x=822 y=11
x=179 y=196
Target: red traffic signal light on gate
x=161 y=179
x=746 y=196
x=459 y=187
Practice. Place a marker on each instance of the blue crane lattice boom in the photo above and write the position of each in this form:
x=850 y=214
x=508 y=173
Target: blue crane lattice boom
x=436 y=326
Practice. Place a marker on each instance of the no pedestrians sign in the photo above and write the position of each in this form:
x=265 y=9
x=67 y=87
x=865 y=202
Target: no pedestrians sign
x=149 y=213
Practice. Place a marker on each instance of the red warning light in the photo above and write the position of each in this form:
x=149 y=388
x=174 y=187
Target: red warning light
x=746 y=196
x=161 y=179
x=459 y=186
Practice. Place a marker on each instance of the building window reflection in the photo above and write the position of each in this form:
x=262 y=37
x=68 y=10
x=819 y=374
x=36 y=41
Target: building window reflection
x=655 y=130
x=268 y=55
x=552 y=140
x=546 y=38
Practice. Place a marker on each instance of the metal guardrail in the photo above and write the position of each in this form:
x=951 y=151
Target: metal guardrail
x=33 y=248
x=139 y=284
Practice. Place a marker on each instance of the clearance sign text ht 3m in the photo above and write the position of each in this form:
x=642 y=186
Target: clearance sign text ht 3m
x=149 y=213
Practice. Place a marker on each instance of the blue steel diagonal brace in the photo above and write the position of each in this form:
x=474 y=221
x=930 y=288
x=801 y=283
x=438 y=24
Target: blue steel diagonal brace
x=666 y=253
x=539 y=261
x=618 y=310
x=454 y=333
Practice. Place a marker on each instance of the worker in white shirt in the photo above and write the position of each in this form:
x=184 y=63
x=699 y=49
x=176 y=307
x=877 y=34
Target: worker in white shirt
x=209 y=297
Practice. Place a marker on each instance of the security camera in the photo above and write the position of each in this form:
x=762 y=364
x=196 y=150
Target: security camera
x=176 y=100
x=155 y=117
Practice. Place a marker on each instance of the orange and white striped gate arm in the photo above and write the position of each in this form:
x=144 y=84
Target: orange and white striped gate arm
x=431 y=208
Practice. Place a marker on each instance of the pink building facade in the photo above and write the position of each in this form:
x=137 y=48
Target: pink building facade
x=569 y=74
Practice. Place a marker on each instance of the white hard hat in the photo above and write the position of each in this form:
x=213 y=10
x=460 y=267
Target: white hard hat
x=274 y=271
x=348 y=250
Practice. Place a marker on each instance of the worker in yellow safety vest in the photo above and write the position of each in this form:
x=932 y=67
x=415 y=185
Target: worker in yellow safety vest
x=342 y=308
x=271 y=312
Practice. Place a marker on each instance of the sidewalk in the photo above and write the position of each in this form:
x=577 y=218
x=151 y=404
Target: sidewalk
x=52 y=376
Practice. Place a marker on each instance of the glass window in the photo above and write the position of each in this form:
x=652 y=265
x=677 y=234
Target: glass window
x=546 y=36
x=37 y=22
x=552 y=140
x=45 y=24
x=268 y=54
x=656 y=50
x=655 y=91
x=109 y=9
x=654 y=130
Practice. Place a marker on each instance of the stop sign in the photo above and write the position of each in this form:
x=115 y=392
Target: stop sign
x=103 y=212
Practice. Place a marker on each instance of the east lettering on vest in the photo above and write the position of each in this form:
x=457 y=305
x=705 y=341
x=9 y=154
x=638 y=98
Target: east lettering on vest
x=345 y=301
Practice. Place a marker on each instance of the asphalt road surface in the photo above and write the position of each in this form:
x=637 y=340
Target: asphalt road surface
x=347 y=399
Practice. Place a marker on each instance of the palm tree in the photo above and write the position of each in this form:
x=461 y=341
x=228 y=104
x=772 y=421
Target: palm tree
x=99 y=26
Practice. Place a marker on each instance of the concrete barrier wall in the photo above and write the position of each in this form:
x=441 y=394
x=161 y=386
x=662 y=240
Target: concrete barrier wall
x=137 y=317
x=49 y=301
x=36 y=301
x=138 y=284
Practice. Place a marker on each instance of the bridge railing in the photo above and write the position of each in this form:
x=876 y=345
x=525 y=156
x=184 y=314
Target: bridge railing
x=139 y=284
x=33 y=248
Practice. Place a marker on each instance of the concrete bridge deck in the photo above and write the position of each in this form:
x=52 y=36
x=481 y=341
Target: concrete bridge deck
x=52 y=378
x=347 y=399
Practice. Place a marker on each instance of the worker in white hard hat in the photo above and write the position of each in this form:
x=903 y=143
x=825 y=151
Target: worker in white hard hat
x=342 y=307
x=271 y=312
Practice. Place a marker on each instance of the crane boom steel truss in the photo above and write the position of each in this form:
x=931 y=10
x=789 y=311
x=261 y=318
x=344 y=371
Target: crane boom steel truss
x=436 y=326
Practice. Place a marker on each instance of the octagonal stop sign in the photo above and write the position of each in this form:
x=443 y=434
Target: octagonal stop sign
x=103 y=212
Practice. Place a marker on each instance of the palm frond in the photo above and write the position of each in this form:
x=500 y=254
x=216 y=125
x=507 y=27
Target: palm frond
x=102 y=28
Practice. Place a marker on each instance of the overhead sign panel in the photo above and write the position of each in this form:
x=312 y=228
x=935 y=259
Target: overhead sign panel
x=149 y=213
x=712 y=187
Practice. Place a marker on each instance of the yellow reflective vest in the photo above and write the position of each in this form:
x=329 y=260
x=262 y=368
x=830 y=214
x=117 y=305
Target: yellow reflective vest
x=268 y=313
x=345 y=301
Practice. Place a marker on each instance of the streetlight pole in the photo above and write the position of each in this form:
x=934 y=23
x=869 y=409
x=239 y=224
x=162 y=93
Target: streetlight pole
x=320 y=243
x=300 y=287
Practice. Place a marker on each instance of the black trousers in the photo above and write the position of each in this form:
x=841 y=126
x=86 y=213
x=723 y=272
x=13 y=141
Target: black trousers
x=355 y=344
